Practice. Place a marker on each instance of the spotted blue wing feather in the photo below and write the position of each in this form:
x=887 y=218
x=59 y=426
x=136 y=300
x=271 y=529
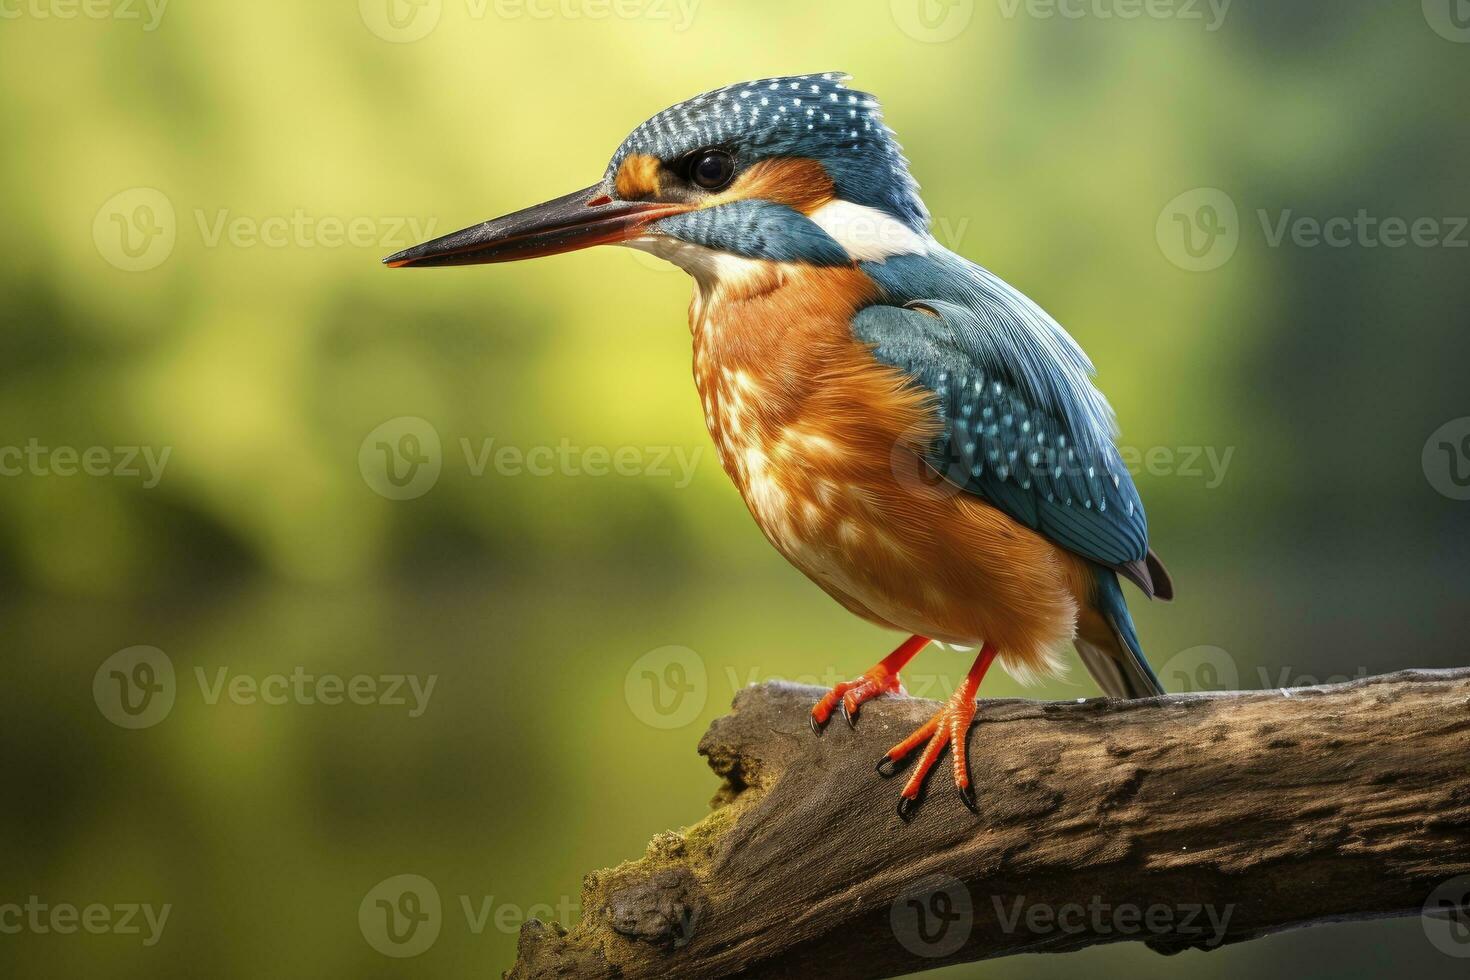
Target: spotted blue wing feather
x=1001 y=440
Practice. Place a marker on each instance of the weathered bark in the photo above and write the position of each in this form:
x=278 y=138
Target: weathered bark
x=1185 y=821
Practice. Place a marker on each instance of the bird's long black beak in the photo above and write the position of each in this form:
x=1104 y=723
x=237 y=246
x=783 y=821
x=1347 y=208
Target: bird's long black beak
x=579 y=220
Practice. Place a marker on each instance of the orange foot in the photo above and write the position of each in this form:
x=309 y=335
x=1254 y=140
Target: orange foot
x=949 y=728
x=882 y=679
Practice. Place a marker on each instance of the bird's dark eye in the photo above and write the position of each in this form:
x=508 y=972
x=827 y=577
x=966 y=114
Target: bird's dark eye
x=711 y=169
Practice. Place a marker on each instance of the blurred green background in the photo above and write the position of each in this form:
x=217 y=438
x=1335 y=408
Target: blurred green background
x=195 y=200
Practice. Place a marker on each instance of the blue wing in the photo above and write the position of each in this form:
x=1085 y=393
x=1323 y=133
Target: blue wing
x=1018 y=430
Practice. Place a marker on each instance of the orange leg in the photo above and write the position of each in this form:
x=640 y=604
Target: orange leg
x=881 y=679
x=950 y=728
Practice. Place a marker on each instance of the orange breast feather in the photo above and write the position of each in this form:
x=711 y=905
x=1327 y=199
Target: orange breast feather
x=822 y=441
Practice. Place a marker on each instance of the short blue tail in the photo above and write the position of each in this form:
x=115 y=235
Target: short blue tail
x=1120 y=668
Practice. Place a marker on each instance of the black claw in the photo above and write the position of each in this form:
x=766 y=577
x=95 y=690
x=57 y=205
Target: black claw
x=906 y=807
x=967 y=797
x=817 y=726
x=851 y=719
x=888 y=768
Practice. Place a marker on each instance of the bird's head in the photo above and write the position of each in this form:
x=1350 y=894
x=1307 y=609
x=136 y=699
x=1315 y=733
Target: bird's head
x=796 y=169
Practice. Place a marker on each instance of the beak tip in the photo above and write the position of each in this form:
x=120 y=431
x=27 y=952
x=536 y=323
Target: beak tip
x=574 y=221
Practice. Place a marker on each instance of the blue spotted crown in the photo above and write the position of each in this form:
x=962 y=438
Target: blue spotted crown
x=805 y=116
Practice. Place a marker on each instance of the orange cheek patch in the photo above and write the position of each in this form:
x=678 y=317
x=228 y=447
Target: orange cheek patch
x=797 y=183
x=638 y=177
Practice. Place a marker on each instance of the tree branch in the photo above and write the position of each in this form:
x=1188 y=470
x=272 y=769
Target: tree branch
x=1184 y=821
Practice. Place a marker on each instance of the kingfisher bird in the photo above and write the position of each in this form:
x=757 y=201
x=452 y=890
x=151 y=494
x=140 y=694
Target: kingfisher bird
x=919 y=438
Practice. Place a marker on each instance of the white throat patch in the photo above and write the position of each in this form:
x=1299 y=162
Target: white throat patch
x=868 y=235
x=709 y=267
